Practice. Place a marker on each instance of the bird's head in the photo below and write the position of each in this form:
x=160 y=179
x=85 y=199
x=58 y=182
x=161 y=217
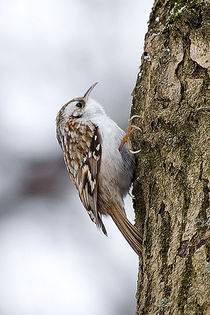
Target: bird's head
x=80 y=107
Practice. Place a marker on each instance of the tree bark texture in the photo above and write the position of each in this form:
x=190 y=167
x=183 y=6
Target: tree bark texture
x=171 y=191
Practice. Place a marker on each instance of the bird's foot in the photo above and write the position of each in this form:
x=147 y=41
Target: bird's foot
x=126 y=138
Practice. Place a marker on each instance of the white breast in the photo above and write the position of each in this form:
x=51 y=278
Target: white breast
x=116 y=167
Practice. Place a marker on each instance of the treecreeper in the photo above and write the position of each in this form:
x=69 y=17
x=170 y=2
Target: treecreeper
x=99 y=162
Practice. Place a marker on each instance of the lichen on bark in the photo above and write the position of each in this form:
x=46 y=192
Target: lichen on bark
x=171 y=186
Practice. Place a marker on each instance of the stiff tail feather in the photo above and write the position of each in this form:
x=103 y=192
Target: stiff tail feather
x=128 y=230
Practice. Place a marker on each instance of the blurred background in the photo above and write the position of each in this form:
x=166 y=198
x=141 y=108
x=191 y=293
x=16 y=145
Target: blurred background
x=53 y=260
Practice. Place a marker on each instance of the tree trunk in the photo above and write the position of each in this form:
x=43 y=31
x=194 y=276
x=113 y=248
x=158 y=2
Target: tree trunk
x=171 y=184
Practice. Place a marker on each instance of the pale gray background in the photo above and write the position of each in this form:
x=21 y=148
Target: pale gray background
x=53 y=260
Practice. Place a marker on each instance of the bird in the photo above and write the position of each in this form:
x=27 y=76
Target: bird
x=99 y=162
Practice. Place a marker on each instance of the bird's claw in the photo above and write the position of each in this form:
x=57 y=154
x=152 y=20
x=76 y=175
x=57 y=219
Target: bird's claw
x=126 y=138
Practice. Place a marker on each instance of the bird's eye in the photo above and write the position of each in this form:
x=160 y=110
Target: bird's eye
x=79 y=105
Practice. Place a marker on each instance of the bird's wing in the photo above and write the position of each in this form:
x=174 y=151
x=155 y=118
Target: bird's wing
x=83 y=160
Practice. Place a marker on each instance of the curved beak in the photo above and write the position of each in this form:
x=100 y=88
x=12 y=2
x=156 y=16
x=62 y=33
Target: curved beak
x=86 y=96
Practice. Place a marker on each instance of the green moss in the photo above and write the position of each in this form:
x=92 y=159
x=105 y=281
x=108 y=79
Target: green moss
x=178 y=7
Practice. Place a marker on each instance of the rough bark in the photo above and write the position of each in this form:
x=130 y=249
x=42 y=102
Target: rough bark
x=171 y=185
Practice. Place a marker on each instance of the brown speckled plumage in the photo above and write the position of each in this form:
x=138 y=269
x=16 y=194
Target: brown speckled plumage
x=101 y=172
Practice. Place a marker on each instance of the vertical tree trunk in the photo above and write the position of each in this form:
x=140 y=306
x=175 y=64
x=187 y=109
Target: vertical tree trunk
x=171 y=185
